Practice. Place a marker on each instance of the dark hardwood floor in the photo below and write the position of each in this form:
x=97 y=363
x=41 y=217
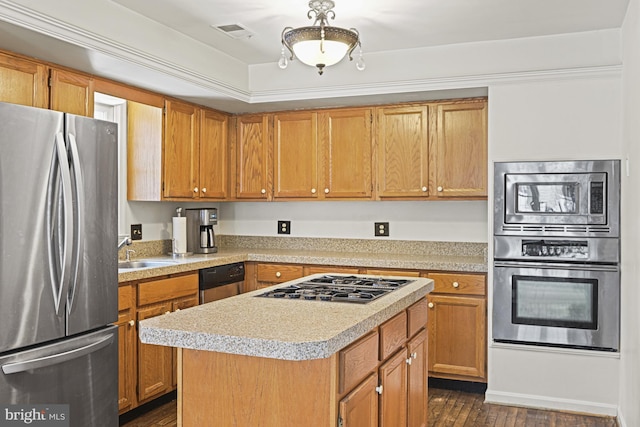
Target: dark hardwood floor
x=447 y=408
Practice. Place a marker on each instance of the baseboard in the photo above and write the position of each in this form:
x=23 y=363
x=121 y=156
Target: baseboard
x=621 y=420
x=543 y=402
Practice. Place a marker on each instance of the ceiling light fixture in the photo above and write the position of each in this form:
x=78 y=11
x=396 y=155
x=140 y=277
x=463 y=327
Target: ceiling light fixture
x=320 y=45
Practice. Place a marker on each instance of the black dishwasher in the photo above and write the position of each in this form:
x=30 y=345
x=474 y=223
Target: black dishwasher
x=220 y=282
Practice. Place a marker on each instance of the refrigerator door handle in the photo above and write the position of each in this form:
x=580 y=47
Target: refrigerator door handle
x=55 y=359
x=60 y=282
x=78 y=219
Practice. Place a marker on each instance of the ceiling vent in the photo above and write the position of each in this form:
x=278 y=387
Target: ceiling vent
x=235 y=31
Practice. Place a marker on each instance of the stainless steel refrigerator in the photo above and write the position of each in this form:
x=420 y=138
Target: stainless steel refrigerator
x=58 y=264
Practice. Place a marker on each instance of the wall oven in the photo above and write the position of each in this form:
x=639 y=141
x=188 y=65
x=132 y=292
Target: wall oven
x=556 y=278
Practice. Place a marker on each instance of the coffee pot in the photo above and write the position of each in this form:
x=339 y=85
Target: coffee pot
x=201 y=238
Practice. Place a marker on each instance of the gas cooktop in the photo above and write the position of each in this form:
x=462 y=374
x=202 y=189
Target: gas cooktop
x=351 y=289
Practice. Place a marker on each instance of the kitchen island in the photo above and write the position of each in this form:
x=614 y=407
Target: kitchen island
x=248 y=360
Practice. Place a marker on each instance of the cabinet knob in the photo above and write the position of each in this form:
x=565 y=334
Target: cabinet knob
x=167 y=312
x=263 y=191
x=414 y=355
x=430 y=305
x=408 y=361
x=132 y=322
x=177 y=309
x=379 y=389
x=204 y=190
x=326 y=191
x=424 y=189
x=313 y=191
x=440 y=189
x=455 y=284
x=278 y=274
x=195 y=189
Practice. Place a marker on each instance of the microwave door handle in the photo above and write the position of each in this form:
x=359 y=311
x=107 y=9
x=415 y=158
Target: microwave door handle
x=56 y=359
x=78 y=225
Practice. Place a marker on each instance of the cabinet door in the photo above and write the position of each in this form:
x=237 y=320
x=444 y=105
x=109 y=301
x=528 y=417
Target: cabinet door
x=461 y=150
x=155 y=362
x=393 y=399
x=295 y=155
x=144 y=152
x=181 y=137
x=127 y=338
x=253 y=157
x=346 y=139
x=403 y=152
x=23 y=82
x=71 y=93
x=214 y=157
x=360 y=407
x=457 y=337
x=417 y=397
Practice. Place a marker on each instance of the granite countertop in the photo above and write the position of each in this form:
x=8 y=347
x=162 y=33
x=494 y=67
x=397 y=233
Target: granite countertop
x=277 y=328
x=448 y=262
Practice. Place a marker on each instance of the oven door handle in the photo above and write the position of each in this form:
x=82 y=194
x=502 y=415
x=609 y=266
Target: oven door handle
x=556 y=266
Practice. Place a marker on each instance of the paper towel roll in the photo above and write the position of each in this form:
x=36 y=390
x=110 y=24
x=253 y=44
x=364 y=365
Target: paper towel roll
x=179 y=235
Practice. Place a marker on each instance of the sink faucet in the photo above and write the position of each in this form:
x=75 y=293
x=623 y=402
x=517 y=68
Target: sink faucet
x=125 y=241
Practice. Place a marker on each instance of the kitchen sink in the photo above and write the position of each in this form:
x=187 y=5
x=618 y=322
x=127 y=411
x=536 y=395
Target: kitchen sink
x=143 y=264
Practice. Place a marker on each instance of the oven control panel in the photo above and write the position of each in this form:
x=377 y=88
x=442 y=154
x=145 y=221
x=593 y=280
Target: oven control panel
x=556 y=248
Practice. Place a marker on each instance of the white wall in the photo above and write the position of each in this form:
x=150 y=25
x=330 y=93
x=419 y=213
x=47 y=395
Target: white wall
x=630 y=359
x=561 y=119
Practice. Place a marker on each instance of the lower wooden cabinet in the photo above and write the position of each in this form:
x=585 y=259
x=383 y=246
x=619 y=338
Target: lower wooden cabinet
x=458 y=327
x=394 y=391
x=127 y=339
x=149 y=371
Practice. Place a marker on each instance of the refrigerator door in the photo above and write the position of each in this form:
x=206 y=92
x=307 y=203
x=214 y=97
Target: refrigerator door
x=30 y=183
x=81 y=372
x=93 y=292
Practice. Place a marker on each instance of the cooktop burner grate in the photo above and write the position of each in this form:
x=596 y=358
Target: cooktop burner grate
x=350 y=289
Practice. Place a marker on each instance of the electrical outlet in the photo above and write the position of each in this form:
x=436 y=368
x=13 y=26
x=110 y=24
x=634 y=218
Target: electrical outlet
x=381 y=229
x=136 y=231
x=284 y=227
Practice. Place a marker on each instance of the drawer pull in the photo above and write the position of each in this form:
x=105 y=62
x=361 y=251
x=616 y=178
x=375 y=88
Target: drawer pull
x=455 y=284
x=278 y=274
x=430 y=305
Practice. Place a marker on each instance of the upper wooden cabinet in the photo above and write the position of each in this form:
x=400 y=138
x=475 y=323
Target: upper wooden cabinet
x=403 y=152
x=23 y=82
x=461 y=150
x=295 y=155
x=431 y=151
x=253 y=157
x=346 y=143
x=195 y=153
x=71 y=92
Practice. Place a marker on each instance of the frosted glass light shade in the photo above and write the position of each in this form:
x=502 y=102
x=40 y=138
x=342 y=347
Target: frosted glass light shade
x=311 y=48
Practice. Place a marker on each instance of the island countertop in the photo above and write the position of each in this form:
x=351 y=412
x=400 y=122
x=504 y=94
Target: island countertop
x=278 y=328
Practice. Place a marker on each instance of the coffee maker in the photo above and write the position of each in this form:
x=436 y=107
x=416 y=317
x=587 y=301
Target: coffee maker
x=201 y=238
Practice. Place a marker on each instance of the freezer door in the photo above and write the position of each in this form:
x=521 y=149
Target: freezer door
x=81 y=372
x=93 y=298
x=28 y=285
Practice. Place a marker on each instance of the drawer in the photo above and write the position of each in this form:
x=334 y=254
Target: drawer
x=167 y=289
x=416 y=317
x=278 y=273
x=393 y=334
x=467 y=284
x=327 y=269
x=357 y=361
x=125 y=300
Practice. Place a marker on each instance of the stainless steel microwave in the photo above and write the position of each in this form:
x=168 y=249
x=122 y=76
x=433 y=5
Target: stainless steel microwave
x=557 y=198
